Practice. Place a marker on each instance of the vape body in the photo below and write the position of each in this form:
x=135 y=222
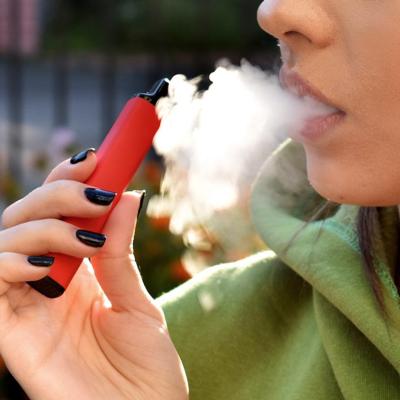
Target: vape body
x=118 y=158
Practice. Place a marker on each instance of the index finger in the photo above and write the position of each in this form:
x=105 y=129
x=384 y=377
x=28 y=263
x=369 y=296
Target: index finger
x=77 y=171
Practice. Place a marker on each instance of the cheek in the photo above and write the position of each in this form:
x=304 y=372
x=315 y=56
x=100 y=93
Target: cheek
x=361 y=163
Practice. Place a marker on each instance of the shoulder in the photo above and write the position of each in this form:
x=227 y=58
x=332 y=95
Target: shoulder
x=216 y=297
x=205 y=289
x=226 y=320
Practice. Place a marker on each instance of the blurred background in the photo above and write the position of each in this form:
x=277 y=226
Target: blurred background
x=68 y=66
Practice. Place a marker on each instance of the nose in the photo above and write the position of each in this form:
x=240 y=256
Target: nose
x=297 y=23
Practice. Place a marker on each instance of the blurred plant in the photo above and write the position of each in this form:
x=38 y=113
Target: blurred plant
x=10 y=189
x=128 y=25
x=157 y=252
x=62 y=144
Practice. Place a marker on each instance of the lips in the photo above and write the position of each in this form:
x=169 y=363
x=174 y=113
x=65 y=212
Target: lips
x=298 y=86
x=319 y=125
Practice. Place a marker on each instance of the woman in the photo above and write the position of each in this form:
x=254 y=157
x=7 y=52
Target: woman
x=301 y=324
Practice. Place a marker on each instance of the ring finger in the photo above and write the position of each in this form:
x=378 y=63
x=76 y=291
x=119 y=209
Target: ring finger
x=50 y=235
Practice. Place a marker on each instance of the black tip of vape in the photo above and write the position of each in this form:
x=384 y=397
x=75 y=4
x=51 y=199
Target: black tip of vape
x=159 y=89
x=48 y=287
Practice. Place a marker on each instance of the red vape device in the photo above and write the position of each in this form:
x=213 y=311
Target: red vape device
x=118 y=158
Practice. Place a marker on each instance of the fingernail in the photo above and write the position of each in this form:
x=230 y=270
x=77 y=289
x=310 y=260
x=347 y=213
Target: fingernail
x=142 y=197
x=41 y=261
x=99 y=196
x=92 y=239
x=81 y=156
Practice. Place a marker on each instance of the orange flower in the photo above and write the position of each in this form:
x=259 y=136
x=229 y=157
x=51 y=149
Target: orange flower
x=179 y=272
x=161 y=223
x=152 y=172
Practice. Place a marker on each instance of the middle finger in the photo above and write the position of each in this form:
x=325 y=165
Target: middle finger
x=63 y=198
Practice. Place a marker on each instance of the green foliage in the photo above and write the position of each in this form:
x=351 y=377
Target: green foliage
x=10 y=189
x=136 y=25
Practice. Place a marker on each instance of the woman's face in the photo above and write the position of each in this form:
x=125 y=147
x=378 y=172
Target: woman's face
x=350 y=51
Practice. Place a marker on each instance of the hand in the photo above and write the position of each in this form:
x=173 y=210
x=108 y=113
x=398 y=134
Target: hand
x=104 y=338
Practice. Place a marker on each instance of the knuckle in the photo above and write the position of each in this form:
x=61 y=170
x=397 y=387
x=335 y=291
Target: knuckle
x=9 y=264
x=63 y=192
x=53 y=228
x=4 y=218
x=4 y=257
x=47 y=231
x=7 y=216
x=70 y=199
x=55 y=236
x=60 y=236
x=59 y=189
x=61 y=197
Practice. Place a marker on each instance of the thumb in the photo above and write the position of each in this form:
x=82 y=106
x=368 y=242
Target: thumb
x=114 y=265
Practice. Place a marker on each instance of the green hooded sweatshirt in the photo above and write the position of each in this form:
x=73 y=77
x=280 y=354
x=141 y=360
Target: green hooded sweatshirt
x=298 y=322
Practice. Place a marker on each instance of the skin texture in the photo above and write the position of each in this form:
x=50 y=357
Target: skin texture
x=350 y=51
x=80 y=346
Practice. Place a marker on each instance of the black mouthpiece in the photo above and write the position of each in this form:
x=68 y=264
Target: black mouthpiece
x=160 y=89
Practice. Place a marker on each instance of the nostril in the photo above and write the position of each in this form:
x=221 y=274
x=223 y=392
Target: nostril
x=292 y=35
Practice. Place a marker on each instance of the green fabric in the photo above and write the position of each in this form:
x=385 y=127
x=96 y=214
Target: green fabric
x=295 y=323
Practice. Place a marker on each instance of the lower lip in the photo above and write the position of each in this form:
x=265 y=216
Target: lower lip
x=314 y=128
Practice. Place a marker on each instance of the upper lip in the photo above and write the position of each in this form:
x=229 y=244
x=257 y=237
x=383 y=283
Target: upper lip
x=296 y=84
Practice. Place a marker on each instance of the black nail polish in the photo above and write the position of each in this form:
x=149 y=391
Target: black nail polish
x=81 y=156
x=92 y=239
x=99 y=196
x=41 y=261
x=142 y=197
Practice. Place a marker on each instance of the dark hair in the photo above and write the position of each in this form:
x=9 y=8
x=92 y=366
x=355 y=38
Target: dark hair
x=368 y=223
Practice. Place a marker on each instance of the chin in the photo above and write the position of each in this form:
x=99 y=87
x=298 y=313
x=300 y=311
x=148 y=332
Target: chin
x=331 y=193
x=327 y=182
x=346 y=192
x=344 y=182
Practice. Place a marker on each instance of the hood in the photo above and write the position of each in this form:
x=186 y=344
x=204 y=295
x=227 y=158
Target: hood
x=325 y=252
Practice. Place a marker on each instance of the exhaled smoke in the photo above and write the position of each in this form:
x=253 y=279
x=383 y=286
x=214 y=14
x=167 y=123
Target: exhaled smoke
x=214 y=142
